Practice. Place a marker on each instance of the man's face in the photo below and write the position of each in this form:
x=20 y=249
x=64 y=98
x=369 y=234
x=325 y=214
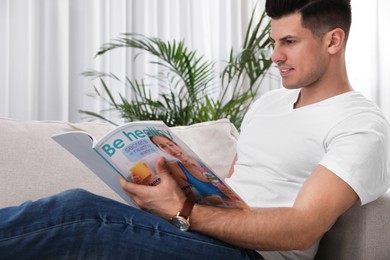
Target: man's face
x=300 y=56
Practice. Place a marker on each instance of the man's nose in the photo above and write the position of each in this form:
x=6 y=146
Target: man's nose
x=278 y=56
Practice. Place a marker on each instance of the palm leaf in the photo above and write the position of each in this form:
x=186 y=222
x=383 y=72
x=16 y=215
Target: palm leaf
x=186 y=82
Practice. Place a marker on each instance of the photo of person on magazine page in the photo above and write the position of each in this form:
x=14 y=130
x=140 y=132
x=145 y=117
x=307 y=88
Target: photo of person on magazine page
x=197 y=181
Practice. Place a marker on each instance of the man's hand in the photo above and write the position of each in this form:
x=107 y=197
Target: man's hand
x=164 y=200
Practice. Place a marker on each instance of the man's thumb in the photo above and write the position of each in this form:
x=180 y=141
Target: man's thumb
x=161 y=168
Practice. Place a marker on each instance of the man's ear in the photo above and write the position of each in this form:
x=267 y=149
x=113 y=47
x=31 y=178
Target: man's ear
x=335 y=39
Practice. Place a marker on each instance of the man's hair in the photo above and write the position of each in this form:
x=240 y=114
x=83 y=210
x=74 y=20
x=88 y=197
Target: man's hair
x=319 y=16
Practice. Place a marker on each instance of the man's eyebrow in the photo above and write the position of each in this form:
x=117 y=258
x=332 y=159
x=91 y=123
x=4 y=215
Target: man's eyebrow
x=287 y=37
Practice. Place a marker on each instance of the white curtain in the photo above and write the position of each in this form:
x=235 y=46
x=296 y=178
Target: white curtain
x=368 y=51
x=45 y=45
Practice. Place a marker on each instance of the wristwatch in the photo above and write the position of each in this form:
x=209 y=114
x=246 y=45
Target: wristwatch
x=182 y=219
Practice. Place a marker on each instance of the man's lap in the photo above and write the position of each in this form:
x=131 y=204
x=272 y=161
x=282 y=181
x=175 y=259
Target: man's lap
x=78 y=224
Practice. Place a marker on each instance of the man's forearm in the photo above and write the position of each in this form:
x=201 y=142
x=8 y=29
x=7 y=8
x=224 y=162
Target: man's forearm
x=261 y=229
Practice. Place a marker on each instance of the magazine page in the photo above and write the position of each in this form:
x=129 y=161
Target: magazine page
x=80 y=145
x=133 y=149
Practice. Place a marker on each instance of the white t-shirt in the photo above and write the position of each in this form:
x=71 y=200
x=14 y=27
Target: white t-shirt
x=280 y=146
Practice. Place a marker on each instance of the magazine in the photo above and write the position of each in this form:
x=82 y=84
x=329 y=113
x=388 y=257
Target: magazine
x=131 y=151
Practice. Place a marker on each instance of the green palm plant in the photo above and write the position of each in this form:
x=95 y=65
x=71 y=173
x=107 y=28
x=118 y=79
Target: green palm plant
x=188 y=92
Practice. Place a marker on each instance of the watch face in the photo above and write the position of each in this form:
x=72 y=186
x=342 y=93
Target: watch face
x=180 y=222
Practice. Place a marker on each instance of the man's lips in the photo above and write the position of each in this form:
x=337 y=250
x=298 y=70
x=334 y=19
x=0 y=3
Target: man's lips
x=285 y=71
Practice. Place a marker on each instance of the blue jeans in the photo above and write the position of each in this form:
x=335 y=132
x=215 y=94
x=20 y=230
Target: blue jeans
x=76 y=224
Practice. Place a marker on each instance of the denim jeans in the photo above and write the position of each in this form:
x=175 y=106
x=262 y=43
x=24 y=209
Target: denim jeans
x=76 y=224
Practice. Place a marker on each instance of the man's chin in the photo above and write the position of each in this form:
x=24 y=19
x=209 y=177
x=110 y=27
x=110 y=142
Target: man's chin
x=289 y=86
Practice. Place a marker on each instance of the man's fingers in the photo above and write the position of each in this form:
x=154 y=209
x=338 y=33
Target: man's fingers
x=161 y=167
x=129 y=187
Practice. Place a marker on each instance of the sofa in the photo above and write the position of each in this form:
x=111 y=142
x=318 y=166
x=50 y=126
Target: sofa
x=34 y=166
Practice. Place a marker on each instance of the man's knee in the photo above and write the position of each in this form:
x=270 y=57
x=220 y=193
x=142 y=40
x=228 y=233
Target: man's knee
x=76 y=194
x=83 y=200
x=72 y=199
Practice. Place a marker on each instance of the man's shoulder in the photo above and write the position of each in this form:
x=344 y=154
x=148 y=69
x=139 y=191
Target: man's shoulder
x=361 y=108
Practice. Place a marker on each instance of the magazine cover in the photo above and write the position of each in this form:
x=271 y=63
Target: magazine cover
x=132 y=150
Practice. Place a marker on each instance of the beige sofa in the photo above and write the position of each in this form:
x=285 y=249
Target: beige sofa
x=32 y=166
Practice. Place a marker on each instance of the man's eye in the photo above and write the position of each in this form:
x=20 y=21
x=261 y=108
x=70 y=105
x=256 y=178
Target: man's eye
x=289 y=42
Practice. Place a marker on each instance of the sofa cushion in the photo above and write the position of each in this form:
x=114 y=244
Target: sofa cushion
x=362 y=233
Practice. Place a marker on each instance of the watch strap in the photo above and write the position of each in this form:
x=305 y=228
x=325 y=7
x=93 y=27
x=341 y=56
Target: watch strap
x=185 y=212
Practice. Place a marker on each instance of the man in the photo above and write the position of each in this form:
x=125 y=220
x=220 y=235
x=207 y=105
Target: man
x=306 y=154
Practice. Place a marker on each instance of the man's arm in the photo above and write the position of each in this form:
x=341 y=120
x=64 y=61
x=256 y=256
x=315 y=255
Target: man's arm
x=322 y=199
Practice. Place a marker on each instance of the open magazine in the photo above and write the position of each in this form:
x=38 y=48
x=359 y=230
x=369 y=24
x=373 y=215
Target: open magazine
x=131 y=151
